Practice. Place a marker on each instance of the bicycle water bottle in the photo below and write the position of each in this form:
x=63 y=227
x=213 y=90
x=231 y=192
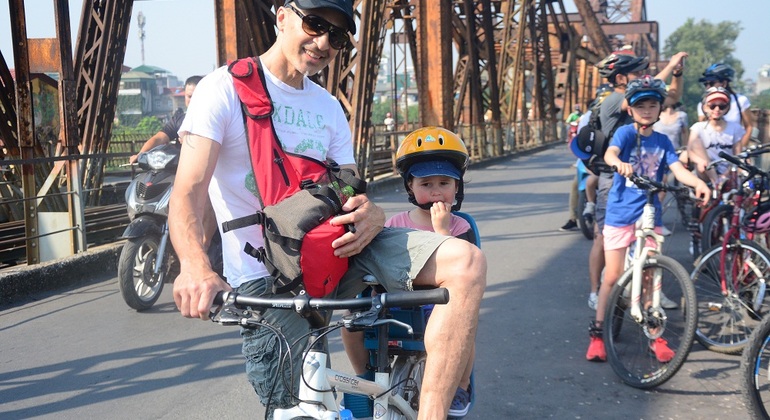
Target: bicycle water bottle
x=346 y=415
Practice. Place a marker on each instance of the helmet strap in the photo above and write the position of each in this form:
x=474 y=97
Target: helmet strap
x=459 y=196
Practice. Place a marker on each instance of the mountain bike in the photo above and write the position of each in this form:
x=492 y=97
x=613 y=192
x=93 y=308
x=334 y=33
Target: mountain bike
x=730 y=279
x=717 y=221
x=634 y=317
x=755 y=372
x=397 y=382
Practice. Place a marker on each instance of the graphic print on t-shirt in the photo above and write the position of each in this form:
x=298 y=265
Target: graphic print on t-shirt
x=646 y=162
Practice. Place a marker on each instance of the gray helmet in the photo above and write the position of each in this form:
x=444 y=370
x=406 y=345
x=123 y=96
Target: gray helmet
x=645 y=87
x=621 y=63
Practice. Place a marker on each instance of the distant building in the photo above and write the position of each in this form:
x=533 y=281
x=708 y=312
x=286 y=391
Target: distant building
x=763 y=81
x=148 y=91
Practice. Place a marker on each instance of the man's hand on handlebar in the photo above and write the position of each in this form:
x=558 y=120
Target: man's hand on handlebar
x=194 y=293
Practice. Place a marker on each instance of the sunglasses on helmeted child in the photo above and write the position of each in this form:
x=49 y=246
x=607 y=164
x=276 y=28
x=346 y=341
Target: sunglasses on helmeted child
x=721 y=107
x=316 y=26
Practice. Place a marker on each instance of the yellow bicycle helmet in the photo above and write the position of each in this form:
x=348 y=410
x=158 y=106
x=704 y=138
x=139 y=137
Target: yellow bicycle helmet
x=433 y=144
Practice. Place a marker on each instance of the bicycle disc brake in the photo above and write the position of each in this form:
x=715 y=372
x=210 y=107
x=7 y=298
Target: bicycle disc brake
x=654 y=323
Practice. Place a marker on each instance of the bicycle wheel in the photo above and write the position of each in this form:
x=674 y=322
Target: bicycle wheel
x=755 y=371
x=725 y=321
x=715 y=225
x=586 y=223
x=629 y=349
x=406 y=380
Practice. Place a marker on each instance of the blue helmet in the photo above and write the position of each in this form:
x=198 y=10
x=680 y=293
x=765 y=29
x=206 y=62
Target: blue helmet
x=645 y=87
x=718 y=72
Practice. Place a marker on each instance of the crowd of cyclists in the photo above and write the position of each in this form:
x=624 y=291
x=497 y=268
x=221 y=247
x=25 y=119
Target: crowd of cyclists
x=643 y=129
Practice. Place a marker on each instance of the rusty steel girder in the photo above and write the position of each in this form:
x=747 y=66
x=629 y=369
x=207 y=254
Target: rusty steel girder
x=475 y=77
x=101 y=48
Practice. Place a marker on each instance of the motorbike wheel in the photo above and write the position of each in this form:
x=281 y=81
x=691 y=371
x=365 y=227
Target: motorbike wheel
x=138 y=285
x=586 y=224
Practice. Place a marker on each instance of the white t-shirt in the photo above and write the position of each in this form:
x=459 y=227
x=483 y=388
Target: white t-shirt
x=716 y=141
x=732 y=115
x=309 y=121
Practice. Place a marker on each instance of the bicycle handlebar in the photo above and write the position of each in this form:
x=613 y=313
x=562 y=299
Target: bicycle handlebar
x=646 y=183
x=303 y=302
x=751 y=169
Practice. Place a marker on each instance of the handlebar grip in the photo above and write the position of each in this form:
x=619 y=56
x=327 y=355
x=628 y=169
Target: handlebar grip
x=438 y=296
x=730 y=158
x=220 y=297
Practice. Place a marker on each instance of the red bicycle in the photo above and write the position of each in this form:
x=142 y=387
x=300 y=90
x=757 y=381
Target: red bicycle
x=731 y=277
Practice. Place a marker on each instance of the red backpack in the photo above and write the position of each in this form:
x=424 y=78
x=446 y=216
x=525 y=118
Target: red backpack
x=298 y=195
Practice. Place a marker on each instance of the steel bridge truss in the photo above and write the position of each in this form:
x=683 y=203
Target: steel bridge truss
x=498 y=72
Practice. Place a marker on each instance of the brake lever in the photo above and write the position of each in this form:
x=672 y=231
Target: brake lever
x=228 y=314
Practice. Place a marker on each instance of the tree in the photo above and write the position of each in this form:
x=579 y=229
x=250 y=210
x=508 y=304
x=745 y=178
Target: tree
x=706 y=43
x=761 y=101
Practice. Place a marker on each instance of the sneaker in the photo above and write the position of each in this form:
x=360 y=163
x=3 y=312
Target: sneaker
x=665 y=231
x=589 y=209
x=661 y=350
x=570 y=225
x=596 y=351
x=461 y=403
x=667 y=303
x=593 y=299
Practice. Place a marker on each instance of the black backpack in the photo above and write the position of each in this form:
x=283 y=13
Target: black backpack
x=591 y=142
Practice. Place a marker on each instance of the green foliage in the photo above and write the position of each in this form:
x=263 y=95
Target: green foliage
x=706 y=43
x=149 y=125
x=379 y=109
x=761 y=101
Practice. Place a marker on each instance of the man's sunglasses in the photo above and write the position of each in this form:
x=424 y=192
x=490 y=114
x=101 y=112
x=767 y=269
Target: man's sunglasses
x=721 y=107
x=316 y=26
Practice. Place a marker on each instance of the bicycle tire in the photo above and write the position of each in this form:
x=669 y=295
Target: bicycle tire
x=715 y=225
x=756 y=359
x=628 y=348
x=586 y=226
x=406 y=380
x=725 y=322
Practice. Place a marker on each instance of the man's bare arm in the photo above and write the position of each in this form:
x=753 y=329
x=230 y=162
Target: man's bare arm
x=197 y=283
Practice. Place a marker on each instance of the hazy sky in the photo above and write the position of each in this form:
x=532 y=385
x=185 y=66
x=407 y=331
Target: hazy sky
x=179 y=34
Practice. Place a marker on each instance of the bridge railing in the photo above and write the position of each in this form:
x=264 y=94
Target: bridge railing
x=484 y=141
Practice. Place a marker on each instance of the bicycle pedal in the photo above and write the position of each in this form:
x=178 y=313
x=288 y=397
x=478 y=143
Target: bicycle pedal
x=714 y=306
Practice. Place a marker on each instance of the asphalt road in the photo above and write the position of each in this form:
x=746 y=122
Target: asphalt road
x=82 y=353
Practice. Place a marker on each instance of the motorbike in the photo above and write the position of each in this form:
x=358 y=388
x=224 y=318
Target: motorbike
x=147 y=259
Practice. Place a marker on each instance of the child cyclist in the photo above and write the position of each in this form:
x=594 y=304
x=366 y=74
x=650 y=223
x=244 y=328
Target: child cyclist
x=635 y=148
x=432 y=162
x=714 y=135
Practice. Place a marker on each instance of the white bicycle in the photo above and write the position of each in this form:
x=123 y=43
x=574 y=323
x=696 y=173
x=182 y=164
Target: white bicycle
x=395 y=390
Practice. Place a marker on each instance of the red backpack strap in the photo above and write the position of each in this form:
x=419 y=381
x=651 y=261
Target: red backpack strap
x=250 y=85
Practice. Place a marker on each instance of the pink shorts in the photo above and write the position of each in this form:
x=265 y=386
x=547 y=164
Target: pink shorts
x=623 y=237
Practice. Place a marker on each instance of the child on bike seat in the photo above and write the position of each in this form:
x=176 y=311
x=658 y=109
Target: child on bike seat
x=432 y=161
x=635 y=148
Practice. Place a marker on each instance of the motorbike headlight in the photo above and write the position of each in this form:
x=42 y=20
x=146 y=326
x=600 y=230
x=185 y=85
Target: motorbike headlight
x=159 y=160
x=159 y=157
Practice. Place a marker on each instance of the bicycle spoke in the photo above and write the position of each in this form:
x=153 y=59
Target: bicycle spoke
x=637 y=350
x=727 y=317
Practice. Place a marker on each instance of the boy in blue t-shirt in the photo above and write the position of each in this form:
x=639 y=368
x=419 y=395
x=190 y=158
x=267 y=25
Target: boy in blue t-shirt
x=635 y=148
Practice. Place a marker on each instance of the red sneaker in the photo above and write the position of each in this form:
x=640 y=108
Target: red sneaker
x=596 y=351
x=662 y=352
